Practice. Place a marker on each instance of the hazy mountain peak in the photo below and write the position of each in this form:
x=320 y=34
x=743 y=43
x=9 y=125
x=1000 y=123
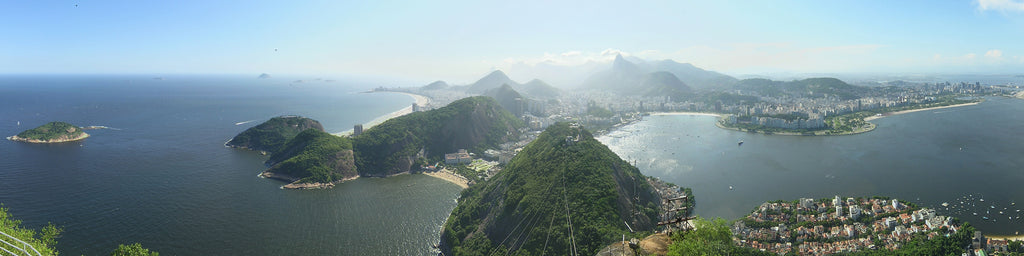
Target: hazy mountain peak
x=497 y=74
x=492 y=80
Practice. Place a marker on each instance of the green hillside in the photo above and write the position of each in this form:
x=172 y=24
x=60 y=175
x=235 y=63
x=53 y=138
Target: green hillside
x=272 y=134
x=563 y=190
x=475 y=124
x=314 y=156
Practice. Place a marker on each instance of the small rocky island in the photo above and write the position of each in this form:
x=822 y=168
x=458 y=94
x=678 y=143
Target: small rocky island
x=52 y=132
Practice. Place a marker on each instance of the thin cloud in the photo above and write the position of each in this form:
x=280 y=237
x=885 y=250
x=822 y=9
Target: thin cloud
x=1000 y=5
x=994 y=53
x=571 y=53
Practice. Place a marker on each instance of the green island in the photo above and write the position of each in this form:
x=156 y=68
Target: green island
x=846 y=124
x=269 y=136
x=564 y=192
x=52 y=132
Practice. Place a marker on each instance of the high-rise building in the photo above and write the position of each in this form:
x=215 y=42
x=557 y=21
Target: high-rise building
x=358 y=129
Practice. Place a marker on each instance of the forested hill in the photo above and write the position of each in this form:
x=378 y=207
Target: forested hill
x=564 y=186
x=475 y=124
x=313 y=156
x=272 y=134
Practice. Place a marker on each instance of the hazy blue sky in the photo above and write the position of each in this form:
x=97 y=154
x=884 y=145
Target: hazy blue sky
x=463 y=40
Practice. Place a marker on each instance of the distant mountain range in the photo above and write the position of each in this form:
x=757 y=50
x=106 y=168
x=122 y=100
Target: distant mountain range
x=810 y=87
x=665 y=77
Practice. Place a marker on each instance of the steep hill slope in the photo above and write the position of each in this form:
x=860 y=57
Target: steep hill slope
x=313 y=158
x=539 y=89
x=663 y=83
x=269 y=136
x=475 y=123
x=564 y=189
x=508 y=98
x=493 y=80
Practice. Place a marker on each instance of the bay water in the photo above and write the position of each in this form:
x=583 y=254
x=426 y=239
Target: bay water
x=161 y=175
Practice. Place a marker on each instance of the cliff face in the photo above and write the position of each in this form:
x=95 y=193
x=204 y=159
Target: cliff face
x=272 y=134
x=564 y=184
x=314 y=158
x=52 y=132
x=475 y=124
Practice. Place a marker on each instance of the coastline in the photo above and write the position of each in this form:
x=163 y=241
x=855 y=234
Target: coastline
x=418 y=99
x=292 y=181
x=685 y=114
x=917 y=110
x=450 y=177
x=20 y=139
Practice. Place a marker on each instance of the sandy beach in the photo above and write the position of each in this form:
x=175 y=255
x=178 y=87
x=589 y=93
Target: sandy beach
x=916 y=110
x=1012 y=238
x=684 y=114
x=450 y=177
x=419 y=99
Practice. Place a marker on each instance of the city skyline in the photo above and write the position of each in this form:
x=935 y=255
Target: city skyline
x=461 y=41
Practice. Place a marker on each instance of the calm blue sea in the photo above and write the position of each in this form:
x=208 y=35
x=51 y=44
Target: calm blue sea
x=162 y=177
x=954 y=155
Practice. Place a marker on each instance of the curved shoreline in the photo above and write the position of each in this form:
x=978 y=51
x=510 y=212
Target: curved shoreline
x=871 y=126
x=450 y=177
x=418 y=99
x=917 y=110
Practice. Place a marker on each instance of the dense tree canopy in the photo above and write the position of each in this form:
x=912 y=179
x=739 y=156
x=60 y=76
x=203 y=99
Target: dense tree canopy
x=563 y=192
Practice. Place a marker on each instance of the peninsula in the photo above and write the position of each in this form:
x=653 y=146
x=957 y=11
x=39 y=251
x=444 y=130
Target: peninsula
x=302 y=154
x=52 y=132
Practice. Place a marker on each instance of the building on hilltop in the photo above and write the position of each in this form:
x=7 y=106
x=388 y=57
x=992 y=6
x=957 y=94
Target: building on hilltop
x=357 y=130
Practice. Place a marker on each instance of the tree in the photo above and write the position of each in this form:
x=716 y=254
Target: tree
x=709 y=237
x=135 y=249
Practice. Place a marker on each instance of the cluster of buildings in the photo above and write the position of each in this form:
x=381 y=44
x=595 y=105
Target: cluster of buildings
x=816 y=122
x=811 y=226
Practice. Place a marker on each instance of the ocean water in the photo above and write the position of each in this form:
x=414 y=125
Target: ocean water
x=162 y=177
x=948 y=155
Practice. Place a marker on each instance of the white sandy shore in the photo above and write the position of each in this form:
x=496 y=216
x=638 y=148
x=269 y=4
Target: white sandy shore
x=916 y=110
x=450 y=177
x=419 y=99
x=684 y=114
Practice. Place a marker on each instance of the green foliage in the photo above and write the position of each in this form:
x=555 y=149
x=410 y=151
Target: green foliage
x=552 y=180
x=135 y=249
x=43 y=240
x=710 y=237
x=52 y=130
x=315 y=156
x=474 y=123
x=272 y=134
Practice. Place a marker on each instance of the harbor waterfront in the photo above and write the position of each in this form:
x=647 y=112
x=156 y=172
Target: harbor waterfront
x=955 y=155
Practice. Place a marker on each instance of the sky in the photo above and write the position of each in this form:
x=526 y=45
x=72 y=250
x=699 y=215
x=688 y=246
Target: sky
x=460 y=41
